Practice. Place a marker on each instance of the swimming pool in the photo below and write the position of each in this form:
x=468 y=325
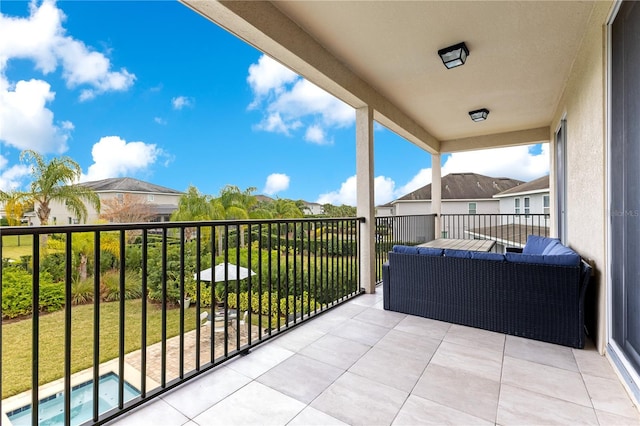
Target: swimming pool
x=51 y=409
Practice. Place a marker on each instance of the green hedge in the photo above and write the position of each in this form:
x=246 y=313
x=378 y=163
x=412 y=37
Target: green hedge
x=17 y=293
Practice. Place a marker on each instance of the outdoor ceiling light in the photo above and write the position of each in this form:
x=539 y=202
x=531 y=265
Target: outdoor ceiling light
x=479 y=114
x=454 y=56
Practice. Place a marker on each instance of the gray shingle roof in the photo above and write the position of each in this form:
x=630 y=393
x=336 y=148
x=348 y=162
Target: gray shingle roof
x=534 y=185
x=127 y=185
x=465 y=186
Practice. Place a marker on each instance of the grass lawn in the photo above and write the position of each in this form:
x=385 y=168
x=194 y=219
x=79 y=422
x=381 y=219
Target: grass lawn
x=14 y=246
x=16 y=340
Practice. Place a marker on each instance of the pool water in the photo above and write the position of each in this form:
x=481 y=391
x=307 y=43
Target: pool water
x=51 y=409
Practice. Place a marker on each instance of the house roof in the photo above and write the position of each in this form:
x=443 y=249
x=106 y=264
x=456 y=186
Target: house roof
x=536 y=185
x=263 y=198
x=127 y=184
x=464 y=186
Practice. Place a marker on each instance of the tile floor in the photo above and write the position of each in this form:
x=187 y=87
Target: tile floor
x=361 y=365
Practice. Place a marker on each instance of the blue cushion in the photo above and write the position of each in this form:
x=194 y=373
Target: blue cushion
x=430 y=251
x=551 y=246
x=405 y=249
x=458 y=253
x=559 y=249
x=536 y=244
x=487 y=255
x=563 y=260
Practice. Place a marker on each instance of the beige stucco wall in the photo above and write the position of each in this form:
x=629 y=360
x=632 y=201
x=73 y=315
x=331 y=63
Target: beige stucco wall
x=583 y=104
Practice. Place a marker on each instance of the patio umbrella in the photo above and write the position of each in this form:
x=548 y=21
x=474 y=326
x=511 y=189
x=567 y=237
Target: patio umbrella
x=219 y=272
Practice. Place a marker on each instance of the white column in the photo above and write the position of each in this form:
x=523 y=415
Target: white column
x=365 y=197
x=436 y=192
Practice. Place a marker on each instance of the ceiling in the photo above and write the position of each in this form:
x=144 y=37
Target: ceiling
x=384 y=54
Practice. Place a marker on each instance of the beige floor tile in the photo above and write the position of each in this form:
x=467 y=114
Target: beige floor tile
x=400 y=375
x=252 y=405
x=519 y=406
x=301 y=377
x=259 y=360
x=360 y=331
x=610 y=396
x=386 y=319
x=312 y=417
x=546 y=380
x=298 y=338
x=420 y=411
x=407 y=345
x=156 y=413
x=540 y=352
x=424 y=327
x=336 y=351
x=368 y=300
x=475 y=338
x=459 y=390
x=200 y=394
x=590 y=362
x=357 y=400
x=609 y=419
x=479 y=361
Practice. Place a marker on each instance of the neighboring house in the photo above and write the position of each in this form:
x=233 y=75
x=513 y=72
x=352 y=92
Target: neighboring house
x=462 y=193
x=529 y=198
x=312 y=208
x=161 y=201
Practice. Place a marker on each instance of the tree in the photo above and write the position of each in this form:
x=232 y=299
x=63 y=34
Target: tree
x=14 y=207
x=194 y=206
x=55 y=181
x=130 y=208
x=283 y=208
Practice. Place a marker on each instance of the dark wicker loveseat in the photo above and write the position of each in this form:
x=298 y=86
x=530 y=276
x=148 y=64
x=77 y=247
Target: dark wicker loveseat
x=511 y=294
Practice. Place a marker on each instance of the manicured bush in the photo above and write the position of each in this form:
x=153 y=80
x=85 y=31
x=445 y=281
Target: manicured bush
x=17 y=293
x=82 y=291
x=110 y=288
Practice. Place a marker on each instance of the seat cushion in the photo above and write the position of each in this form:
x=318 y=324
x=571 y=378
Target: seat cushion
x=540 y=259
x=458 y=253
x=536 y=244
x=430 y=251
x=405 y=249
x=487 y=256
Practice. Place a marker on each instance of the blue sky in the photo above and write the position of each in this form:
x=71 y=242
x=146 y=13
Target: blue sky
x=154 y=91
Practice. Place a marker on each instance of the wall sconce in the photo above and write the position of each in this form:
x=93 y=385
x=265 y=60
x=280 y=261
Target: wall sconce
x=454 y=56
x=479 y=114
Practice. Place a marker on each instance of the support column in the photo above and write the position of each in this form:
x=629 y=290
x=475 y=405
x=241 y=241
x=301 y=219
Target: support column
x=436 y=193
x=365 y=197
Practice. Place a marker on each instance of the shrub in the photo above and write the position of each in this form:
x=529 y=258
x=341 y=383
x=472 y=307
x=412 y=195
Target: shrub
x=110 y=288
x=82 y=291
x=17 y=292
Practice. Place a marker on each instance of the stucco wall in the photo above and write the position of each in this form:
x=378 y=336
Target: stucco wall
x=583 y=105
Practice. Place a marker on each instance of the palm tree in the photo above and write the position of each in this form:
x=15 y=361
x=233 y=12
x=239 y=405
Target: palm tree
x=55 y=181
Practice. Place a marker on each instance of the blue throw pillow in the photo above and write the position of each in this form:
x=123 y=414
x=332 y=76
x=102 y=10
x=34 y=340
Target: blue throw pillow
x=539 y=259
x=559 y=249
x=430 y=251
x=487 y=255
x=458 y=253
x=405 y=249
x=536 y=244
x=551 y=246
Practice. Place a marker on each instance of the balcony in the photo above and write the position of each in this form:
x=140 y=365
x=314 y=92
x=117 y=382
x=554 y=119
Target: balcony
x=359 y=364
x=295 y=342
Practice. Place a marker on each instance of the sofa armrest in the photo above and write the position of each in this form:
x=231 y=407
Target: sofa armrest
x=386 y=287
x=513 y=250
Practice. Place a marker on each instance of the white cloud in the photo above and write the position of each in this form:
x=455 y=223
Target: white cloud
x=519 y=162
x=115 y=157
x=25 y=120
x=294 y=102
x=11 y=178
x=42 y=39
x=160 y=120
x=276 y=182
x=181 y=102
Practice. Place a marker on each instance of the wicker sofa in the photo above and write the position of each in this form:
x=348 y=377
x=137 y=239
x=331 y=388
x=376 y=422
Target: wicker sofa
x=529 y=294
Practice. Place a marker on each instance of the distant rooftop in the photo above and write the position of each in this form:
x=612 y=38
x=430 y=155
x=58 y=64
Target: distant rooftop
x=537 y=185
x=127 y=184
x=465 y=186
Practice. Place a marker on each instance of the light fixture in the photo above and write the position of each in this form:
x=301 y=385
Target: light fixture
x=479 y=114
x=454 y=56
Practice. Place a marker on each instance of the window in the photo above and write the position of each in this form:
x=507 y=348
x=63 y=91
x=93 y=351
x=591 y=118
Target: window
x=527 y=205
x=120 y=196
x=149 y=197
x=473 y=208
x=545 y=204
x=516 y=205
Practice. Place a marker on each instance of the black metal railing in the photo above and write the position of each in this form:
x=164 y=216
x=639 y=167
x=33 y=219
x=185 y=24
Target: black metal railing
x=155 y=318
x=405 y=230
x=508 y=230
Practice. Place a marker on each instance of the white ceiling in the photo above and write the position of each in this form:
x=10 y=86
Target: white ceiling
x=520 y=56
